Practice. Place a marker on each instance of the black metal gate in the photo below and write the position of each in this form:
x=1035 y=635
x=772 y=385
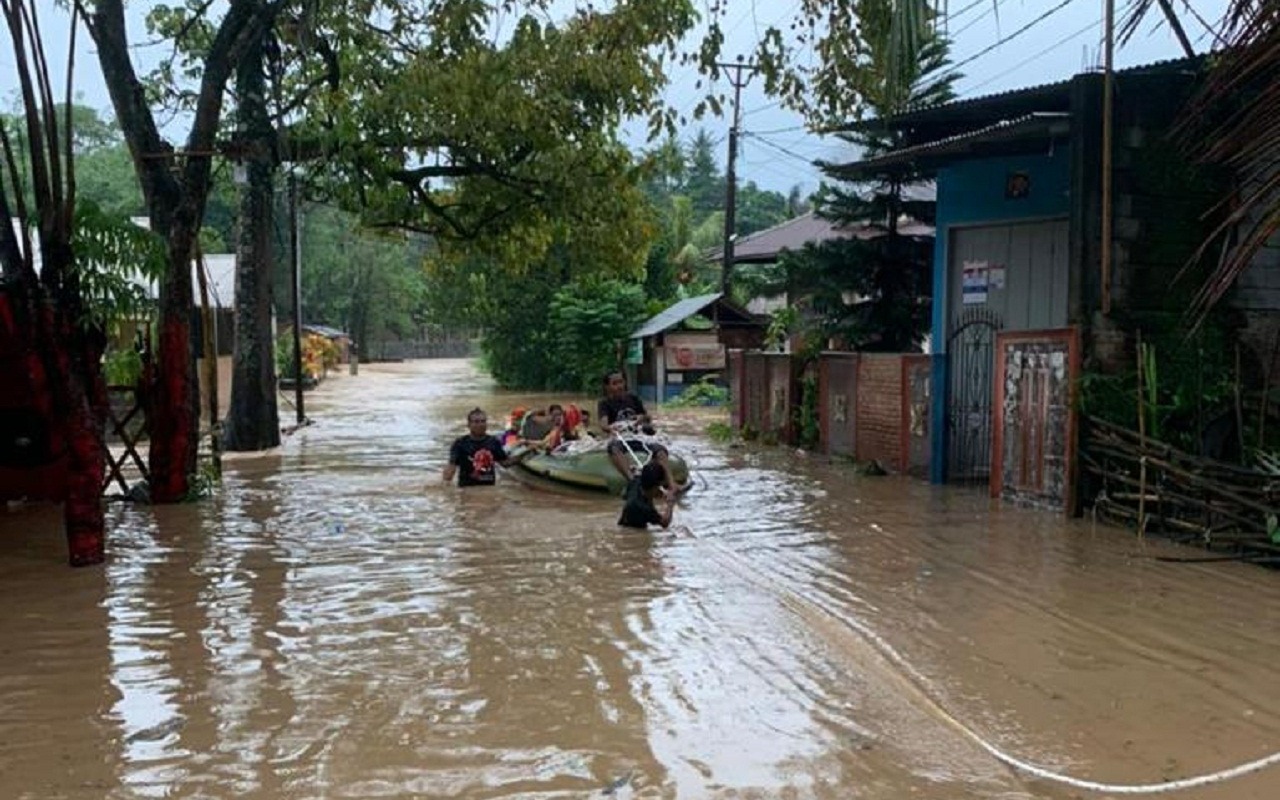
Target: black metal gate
x=970 y=369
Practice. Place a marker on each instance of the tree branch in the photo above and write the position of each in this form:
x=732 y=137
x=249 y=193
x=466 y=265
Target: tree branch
x=107 y=29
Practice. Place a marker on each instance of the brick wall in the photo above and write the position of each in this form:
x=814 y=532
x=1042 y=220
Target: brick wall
x=879 y=411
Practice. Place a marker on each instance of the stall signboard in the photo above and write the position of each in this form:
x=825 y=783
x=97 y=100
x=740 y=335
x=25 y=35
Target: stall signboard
x=690 y=352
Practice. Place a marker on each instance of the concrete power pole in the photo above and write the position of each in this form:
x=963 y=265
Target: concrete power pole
x=731 y=176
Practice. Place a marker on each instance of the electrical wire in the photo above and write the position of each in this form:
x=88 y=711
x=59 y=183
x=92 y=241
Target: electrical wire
x=1029 y=59
x=1005 y=40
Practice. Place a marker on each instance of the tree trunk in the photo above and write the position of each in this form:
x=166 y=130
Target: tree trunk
x=253 y=420
x=173 y=415
x=85 y=394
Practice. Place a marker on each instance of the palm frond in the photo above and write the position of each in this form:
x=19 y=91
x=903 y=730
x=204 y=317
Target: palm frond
x=1245 y=137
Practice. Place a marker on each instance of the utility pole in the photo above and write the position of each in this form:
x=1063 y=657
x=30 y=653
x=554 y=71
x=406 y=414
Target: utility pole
x=731 y=176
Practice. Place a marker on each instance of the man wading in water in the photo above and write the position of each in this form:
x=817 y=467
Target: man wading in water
x=476 y=454
x=618 y=409
x=639 y=509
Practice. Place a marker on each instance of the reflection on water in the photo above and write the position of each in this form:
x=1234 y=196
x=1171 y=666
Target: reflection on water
x=338 y=624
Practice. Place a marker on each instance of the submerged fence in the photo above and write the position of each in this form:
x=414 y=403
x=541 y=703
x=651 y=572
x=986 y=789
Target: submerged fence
x=398 y=350
x=868 y=406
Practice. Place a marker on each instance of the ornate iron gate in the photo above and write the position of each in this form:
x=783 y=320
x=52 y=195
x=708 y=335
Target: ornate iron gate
x=971 y=370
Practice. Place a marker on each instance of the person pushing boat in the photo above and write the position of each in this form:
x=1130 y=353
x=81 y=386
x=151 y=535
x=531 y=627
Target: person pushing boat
x=619 y=413
x=473 y=458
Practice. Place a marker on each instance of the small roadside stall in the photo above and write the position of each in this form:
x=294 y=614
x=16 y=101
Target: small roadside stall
x=686 y=344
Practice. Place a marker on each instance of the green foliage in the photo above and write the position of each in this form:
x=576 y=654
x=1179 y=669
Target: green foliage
x=781 y=321
x=758 y=209
x=122 y=367
x=720 y=432
x=541 y=335
x=706 y=392
x=114 y=260
x=514 y=138
x=370 y=283
x=588 y=321
x=809 y=431
x=284 y=356
x=1186 y=382
x=872 y=293
x=870 y=50
x=704 y=185
x=203 y=482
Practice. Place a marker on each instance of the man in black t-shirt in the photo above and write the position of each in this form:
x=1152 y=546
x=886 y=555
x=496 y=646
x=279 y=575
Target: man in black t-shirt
x=619 y=405
x=474 y=457
x=639 y=511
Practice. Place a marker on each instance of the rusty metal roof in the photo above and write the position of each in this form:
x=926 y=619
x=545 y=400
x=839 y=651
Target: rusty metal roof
x=792 y=235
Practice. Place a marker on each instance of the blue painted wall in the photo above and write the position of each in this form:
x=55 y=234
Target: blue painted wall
x=972 y=192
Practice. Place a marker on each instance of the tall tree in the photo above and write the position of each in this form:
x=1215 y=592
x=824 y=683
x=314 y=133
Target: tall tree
x=253 y=419
x=55 y=287
x=703 y=182
x=176 y=183
x=873 y=292
x=419 y=117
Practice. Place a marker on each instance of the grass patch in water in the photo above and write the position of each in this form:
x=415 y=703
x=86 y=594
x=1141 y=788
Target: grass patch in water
x=721 y=432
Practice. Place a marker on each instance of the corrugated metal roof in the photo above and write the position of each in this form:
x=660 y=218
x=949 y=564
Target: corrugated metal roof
x=1045 y=123
x=325 y=330
x=675 y=314
x=1028 y=92
x=792 y=235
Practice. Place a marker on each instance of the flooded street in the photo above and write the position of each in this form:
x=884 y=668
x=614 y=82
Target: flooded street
x=335 y=623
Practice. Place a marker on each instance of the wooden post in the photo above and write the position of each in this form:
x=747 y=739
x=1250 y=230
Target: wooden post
x=208 y=323
x=1142 y=441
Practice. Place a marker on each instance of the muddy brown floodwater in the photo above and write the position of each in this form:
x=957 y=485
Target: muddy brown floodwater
x=337 y=624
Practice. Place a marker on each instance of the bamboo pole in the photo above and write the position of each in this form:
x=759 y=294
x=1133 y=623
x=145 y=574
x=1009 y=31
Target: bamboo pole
x=208 y=320
x=1142 y=440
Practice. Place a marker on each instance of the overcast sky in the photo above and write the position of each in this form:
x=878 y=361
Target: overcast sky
x=1000 y=45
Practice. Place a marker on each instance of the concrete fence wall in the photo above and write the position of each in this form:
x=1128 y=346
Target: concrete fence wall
x=869 y=405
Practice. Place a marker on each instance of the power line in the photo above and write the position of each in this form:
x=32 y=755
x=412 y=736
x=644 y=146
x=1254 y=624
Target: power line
x=949 y=16
x=974 y=21
x=764 y=107
x=1043 y=52
x=790 y=129
x=1013 y=35
x=784 y=151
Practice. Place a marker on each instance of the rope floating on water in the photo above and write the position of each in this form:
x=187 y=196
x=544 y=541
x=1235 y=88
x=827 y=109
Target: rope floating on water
x=924 y=688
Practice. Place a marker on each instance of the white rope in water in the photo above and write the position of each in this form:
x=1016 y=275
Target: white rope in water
x=925 y=688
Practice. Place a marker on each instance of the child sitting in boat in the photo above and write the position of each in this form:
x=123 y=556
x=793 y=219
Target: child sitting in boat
x=639 y=510
x=559 y=425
